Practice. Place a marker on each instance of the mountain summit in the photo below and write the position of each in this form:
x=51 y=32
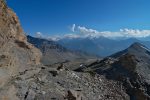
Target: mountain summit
x=136 y=49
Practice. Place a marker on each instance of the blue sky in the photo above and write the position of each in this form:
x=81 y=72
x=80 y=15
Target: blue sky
x=57 y=16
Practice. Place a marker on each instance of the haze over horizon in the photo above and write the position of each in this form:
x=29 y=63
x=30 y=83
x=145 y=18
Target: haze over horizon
x=109 y=18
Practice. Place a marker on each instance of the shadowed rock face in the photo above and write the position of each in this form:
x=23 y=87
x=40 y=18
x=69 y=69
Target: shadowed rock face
x=131 y=67
x=22 y=77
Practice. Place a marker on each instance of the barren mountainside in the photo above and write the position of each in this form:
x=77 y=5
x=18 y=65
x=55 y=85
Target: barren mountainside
x=23 y=77
x=130 y=66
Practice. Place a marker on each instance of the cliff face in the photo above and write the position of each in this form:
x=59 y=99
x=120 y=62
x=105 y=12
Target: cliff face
x=9 y=24
x=12 y=36
x=16 y=54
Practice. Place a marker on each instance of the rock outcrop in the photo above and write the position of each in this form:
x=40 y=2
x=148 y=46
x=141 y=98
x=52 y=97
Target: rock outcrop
x=16 y=54
x=13 y=40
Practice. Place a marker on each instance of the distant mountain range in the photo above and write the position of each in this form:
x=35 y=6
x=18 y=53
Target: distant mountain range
x=54 y=52
x=100 y=46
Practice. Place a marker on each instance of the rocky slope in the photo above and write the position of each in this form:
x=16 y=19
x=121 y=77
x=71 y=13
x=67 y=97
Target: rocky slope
x=22 y=77
x=131 y=67
x=13 y=47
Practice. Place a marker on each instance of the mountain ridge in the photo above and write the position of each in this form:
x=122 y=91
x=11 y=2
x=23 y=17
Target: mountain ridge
x=130 y=66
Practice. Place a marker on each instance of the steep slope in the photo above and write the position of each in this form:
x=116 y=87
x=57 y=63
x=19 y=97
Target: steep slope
x=22 y=77
x=131 y=67
x=16 y=54
x=55 y=53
